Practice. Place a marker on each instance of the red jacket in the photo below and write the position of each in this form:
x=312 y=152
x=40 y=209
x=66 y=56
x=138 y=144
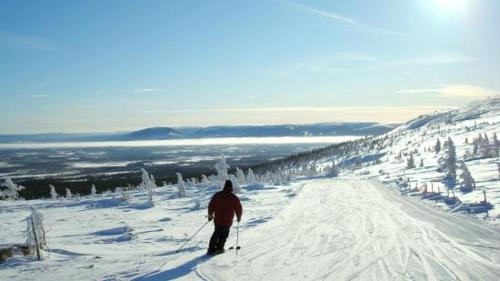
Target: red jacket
x=224 y=204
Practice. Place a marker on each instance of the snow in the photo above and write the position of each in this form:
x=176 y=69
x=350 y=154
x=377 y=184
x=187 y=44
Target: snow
x=481 y=117
x=362 y=225
x=318 y=229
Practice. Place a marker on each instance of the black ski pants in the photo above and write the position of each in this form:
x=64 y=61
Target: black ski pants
x=218 y=238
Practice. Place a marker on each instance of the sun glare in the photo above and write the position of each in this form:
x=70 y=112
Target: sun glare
x=457 y=5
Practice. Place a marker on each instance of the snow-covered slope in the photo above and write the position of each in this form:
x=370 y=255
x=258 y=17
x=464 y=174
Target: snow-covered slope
x=387 y=155
x=317 y=229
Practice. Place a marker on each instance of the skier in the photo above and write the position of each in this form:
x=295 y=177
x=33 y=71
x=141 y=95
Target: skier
x=222 y=207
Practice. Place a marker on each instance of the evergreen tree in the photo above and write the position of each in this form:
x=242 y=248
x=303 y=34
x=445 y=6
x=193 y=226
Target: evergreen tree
x=448 y=163
x=467 y=183
x=333 y=171
x=236 y=184
x=205 y=181
x=93 y=191
x=53 y=193
x=250 y=177
x=240 y=175
x=148 y=184
x=437 y=146
x=181 y=185
x=221 y=167
x=496 y=145
x=68 y=194
x=410 y=162
x=12 y=190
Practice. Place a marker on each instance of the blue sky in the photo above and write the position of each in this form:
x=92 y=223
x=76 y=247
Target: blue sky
x=89 y=66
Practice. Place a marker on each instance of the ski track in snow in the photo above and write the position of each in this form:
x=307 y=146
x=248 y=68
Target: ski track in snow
x=356 y=230
x=316 y=229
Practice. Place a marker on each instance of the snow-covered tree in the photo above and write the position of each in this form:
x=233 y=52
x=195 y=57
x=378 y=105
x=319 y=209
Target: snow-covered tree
x=240 y=175
x=222 y=168
x=250 y=177
x=181 y=186
x=68 y=194
x=485 y=147
x=236 y=184
x=448 y=163
x=437 y=146
x=120 y=194
x=205 y=181
x=35 y=233
x=467 y=183
x=410 y=162
x=496 y=145
x=93 y=191
x=12 y=191
x=53 y=193
x=148 y=183
x=333 y=171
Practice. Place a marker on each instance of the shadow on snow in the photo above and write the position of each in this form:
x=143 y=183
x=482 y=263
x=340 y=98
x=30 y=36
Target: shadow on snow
x=175 y=272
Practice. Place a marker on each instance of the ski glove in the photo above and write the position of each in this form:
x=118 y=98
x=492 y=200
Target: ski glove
x=210 y=217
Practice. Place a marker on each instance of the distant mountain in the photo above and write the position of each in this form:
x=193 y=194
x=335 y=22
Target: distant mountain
x=157 y=133
x=340 y=129
x=165 y=133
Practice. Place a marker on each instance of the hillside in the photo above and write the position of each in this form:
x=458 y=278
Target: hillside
x=472 y=128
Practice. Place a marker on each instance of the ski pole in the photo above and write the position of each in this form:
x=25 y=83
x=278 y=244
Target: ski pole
x=237 y=237
x=192 y=237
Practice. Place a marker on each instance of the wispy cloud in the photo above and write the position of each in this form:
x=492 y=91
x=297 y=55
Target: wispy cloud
x=366 y=62
x=460 y=91
x=343 y=19
x=148 y=90
x=40 y=96
x=27 y=42
x=434 y=60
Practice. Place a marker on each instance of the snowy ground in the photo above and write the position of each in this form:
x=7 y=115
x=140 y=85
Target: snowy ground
x=319 y=229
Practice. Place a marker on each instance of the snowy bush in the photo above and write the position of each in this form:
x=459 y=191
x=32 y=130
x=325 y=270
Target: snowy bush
x=333 y=171
x=148 y=184
x=181 y=185
x=222 y=168
x=236 y=184
x=53 y=193
x=250 y=177
x=12 y=190
x=68 y=194
x=93 y=191
x=121 y=194
x=205 y=181
x=35 y=234
x=240 y=175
